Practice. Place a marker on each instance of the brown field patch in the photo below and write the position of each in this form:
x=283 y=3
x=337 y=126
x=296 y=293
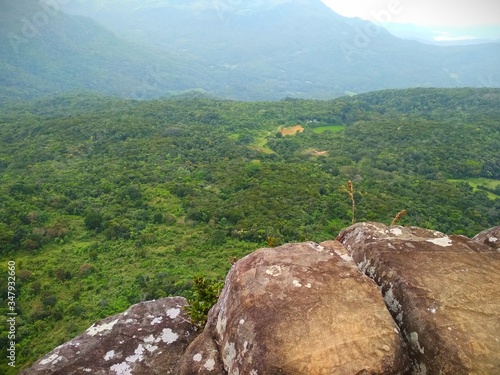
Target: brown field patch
x=292 y=130
x=314 y=152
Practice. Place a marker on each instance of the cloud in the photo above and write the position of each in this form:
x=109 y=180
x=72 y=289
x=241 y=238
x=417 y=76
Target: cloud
x=423 y=12
x=446 y=37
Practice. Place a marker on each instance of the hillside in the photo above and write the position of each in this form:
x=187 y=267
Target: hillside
x=106 y=202
x=250 y=50
x=45 y=51
x=292 y=48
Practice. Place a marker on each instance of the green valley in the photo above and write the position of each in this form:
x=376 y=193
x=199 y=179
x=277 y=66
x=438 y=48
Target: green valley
x=105 y=202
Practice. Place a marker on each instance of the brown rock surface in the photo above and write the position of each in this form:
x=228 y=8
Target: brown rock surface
x=149 y=338
x=489 y=237
x=202 y=357
x=444 y=292
x=300 y=309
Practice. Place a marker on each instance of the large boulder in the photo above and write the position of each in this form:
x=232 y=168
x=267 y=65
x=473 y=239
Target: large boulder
x=298 y=309
x=202 y=357
x=147 y=339
x=443 y=291
x=489 y=237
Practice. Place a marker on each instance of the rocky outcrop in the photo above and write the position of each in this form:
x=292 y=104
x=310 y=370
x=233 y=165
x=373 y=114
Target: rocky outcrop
x=489 y=237
x=298 y=309
x=378 y=300
x=443 y=291
x=202 y=357
x=149 y=338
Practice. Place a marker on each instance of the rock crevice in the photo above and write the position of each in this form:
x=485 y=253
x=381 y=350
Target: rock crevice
x=443 y=292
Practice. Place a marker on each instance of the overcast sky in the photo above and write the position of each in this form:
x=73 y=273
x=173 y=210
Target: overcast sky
x=422 y=12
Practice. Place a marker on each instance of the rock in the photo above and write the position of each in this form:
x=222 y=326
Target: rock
x=149 y=338
x=443 y=291
x=489 y=237
x=308 y=308
x=298 y=309
x=202 y=357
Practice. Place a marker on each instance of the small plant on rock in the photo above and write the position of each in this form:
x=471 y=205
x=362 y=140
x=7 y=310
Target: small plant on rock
x=204 y=294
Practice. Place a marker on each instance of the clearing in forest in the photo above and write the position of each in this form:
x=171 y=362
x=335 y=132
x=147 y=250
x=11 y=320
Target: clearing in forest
x=330 y=128
x=292 y=130
x=479 y=183
x=314 y=152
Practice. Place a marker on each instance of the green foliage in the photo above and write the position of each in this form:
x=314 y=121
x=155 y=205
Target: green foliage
x=202 y=297
x=93 y=220
x=328 y=128
x=106 y=202
x=490 y=186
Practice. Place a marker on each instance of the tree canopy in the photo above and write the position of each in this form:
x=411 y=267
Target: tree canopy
x=105 y=202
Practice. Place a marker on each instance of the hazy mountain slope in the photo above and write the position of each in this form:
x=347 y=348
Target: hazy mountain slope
x=294 y=47
x=251 y=50
x=43 y=50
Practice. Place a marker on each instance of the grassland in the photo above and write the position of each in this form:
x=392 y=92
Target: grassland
x=260 y=144
x=329 y=128
x=477 y=183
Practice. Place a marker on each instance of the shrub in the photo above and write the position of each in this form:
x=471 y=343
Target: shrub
x=86 y=269
x=24 y=275
x=116 y=229
x=93 y=220
x=62 y=274
x=49 y=301
x=158 y=218
x=204 y=294
x=170 y=219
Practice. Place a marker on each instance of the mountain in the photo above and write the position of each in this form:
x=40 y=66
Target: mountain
x=251 y=50
x=43 y=50
x=292 y=47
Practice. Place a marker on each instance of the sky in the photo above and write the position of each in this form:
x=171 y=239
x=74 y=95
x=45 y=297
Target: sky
x=437 y=20
x=464 y=13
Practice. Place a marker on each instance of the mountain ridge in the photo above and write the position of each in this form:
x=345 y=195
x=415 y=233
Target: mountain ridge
x=234 y=50
x=44 y=50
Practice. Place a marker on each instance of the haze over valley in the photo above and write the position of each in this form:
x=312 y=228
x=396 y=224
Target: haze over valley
x=230 y=49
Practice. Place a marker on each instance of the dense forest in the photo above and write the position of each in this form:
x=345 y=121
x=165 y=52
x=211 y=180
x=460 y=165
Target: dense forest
x=105 y=202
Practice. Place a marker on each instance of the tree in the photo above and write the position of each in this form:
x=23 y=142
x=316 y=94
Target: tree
x=93 y=221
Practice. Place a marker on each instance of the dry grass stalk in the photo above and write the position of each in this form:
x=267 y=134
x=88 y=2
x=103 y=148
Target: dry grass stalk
x=350 y=190
x=398 y=217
